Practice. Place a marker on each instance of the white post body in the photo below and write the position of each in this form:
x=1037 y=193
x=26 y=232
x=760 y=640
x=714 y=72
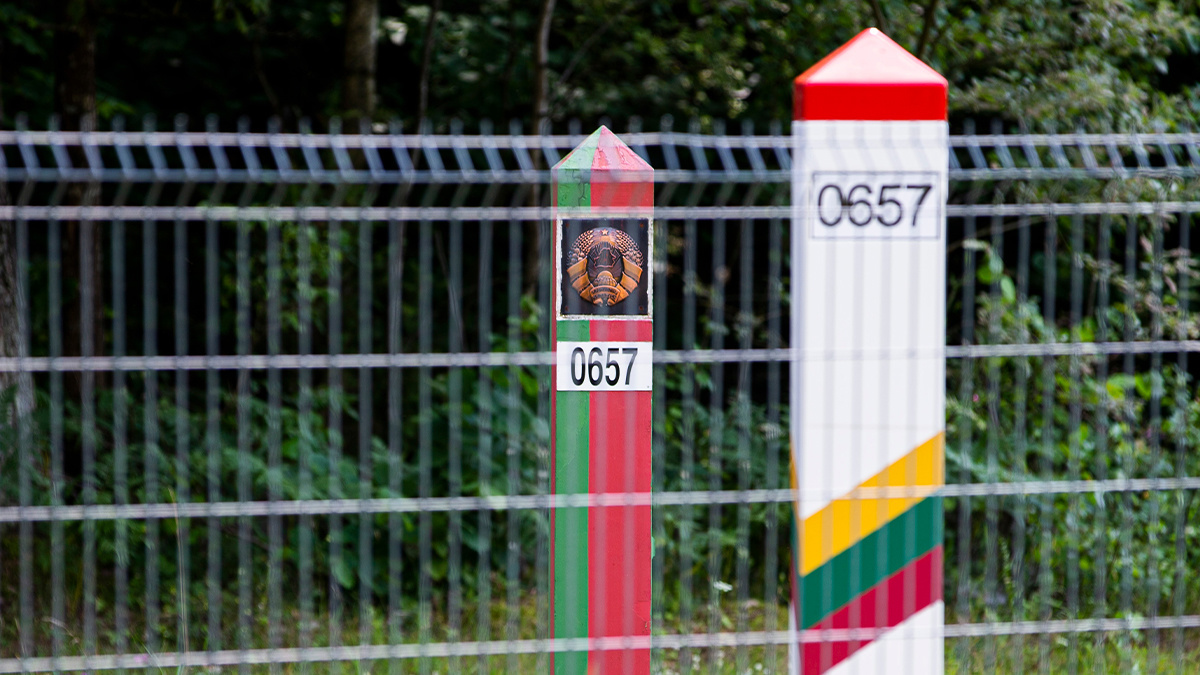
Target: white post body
x=869 y=187
x=868 y=379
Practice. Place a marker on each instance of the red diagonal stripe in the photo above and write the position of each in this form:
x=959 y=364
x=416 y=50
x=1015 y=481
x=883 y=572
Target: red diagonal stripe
x=916 y=586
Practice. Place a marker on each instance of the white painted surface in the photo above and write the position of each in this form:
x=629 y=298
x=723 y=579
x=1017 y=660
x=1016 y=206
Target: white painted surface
x=868 y=306
x=605 y=366
x=915 y=647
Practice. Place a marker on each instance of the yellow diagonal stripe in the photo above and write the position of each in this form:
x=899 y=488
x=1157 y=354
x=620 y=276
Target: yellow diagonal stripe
x=847 y=519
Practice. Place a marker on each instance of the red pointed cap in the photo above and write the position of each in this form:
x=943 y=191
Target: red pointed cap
x=870 y=78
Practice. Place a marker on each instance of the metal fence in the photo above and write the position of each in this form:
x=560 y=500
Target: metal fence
x=279 y=401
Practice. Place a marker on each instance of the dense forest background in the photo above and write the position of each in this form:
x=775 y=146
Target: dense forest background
x=1128 y=64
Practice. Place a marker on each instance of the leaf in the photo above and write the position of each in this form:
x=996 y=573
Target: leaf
x=1008 y=290
x=344 y=575
x=1117 y=385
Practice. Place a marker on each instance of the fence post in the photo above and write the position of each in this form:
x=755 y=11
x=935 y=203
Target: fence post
x=600 y=416
x=869 y=184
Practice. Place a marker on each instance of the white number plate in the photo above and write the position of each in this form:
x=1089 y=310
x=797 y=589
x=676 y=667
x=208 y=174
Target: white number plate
x=605 y=366
x=875 y=205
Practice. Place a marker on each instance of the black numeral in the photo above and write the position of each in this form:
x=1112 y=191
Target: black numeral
x=577 y=378
x=632 y=352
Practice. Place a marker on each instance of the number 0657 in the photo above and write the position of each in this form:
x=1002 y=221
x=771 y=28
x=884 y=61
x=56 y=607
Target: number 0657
x=874 y=204
x=612 y=366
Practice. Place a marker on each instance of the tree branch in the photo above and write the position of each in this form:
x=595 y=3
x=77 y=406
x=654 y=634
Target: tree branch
x=541 y=67
x=426 y=62
x=358 y=89
x=877 y=11
x=927 y=25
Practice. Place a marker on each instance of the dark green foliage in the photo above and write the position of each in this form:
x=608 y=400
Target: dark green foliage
x=1126 y=64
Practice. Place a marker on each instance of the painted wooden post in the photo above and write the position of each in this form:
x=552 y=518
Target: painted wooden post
x=601 y=424
x=869 y=188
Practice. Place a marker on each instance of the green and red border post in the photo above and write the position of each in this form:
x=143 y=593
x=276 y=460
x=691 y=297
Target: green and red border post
x=869 y=187
x=601 y=408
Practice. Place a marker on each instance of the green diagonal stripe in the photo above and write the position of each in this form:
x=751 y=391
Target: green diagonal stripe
x=571 y=525
x=860 y=567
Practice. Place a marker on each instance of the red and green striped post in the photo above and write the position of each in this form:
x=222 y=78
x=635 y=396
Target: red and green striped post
x=600 y=414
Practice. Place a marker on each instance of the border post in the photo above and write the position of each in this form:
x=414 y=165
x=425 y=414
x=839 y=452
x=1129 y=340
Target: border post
x=600 y=416
x=869 y=184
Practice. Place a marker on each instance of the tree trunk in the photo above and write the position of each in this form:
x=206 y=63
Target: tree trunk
x=541 y=114
x=541 y=72
x=75 y=104
x=427 y=62
x=362 y=34
x=12 y=329
x=75 y=64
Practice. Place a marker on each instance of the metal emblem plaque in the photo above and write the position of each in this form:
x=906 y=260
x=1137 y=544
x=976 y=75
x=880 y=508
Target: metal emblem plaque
x=605 y=267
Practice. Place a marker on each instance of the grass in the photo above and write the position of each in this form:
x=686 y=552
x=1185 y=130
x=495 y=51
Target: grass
x=1140 y=653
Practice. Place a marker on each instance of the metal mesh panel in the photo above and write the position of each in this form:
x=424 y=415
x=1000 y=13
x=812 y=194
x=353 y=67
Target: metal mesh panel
x=280 y=401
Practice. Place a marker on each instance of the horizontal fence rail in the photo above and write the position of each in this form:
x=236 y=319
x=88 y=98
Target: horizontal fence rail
x=280 y=401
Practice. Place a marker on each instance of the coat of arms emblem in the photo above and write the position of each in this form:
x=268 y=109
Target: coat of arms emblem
x=604 y=267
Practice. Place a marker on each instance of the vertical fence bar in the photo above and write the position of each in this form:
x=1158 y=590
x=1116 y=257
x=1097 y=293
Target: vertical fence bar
x=483 y=578
x=745 y=330
x=716 y=435
x=688 y=424
x=992 y=475
x=1183 y=503
x=150 y=418
x=182 y=423
x=274 y=439
x=1127 y=462
x=454 y=291
x=57 y=602
x=213 y=443
x=245 y=574
x=1074 y=442
x=1021 y=403
x=120 y=441
x=1100 y=576
x=965 y=426
x=512 y=571
x=1154 y=301
x=213 y=436
x=425 y=422
x=88 y=295
x=307 y=441
x=542 y=198
x=366 y=464
x=335 y=402
x=659 y=442
x=1046 y=457
x=395 y=433
x=24 y=438
x=425 y=281
x=777 y=478
x=182 y=444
